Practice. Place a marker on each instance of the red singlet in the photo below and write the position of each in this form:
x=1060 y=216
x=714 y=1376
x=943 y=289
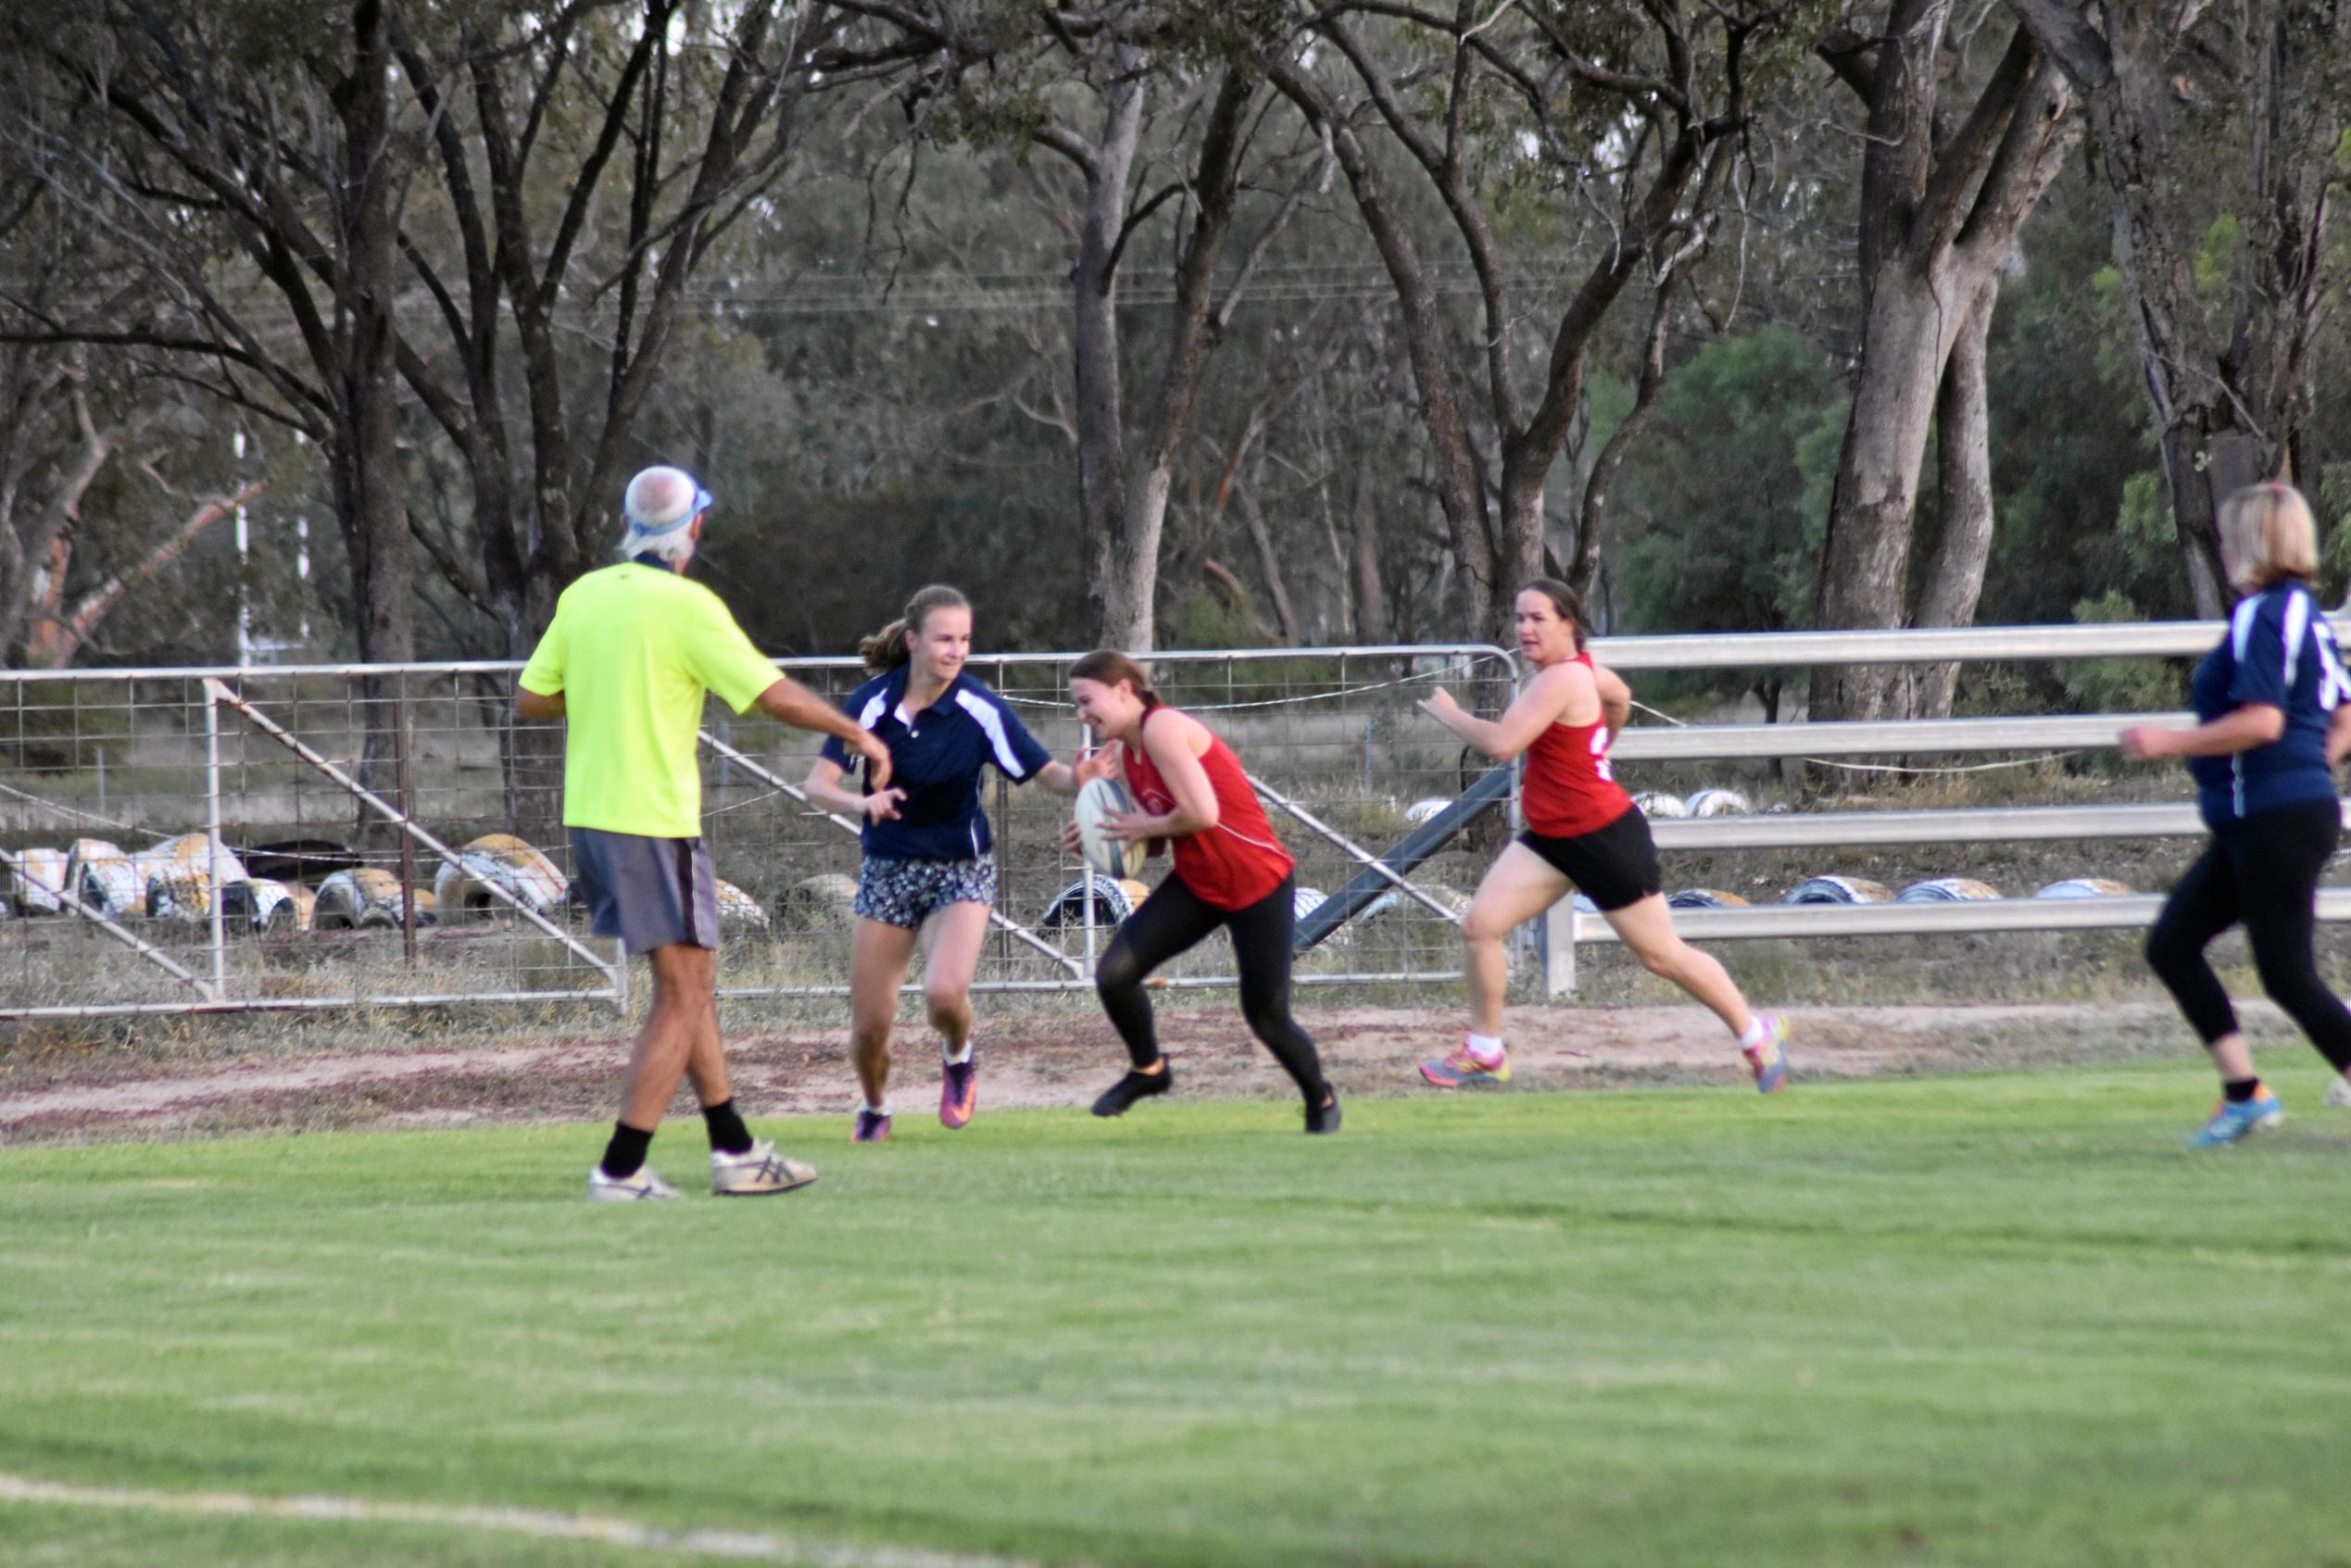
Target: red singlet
x=1567 y=789
x=1237 y=862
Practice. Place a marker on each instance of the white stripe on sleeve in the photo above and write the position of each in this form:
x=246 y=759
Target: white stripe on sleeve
x=873 y=713
x=2298 y=626
x=992 y=722
x=2241 y=627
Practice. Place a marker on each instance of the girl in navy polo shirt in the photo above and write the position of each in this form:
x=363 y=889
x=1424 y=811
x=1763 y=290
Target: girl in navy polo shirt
x=2272 y=724
x=929 y=870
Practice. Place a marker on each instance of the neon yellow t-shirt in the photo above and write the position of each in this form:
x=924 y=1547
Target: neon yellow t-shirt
x=631 y=650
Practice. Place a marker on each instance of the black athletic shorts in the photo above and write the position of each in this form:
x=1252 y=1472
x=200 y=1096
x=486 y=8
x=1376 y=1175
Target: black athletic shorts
x=1612 y=866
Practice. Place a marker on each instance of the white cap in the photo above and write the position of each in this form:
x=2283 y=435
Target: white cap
x=664 y=498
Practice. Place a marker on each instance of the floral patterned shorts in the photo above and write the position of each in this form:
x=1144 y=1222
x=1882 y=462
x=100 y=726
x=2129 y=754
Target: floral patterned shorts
x=907 y=893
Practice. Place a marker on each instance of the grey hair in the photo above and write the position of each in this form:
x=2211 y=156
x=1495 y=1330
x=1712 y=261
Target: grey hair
x=673 y=545
x=658 y=504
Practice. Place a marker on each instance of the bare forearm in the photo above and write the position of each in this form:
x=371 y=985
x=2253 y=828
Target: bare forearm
x=2228 y=734
x=789 y=702
x=1059 y=778
x=832 y=795
x=1484 y=735
x=2339 y=734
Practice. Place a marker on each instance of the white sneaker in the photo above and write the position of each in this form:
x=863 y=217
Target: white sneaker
x=2338 y=1093
x=645 y=1186
x=757 y=1172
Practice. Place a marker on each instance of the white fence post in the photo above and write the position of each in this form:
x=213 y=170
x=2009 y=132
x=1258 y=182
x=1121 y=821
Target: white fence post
x=215 y=893
x=1559 y=949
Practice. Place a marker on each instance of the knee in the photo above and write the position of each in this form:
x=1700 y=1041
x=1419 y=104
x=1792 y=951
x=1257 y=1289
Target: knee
x=1661 y=961
x=1478 y=928
x=2166 y=952
x=1117 y=974
x=2287 y=978
x=947 y=1003
x=869 y=1039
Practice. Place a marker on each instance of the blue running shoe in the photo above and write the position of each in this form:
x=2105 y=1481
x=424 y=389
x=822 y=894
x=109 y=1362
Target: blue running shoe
x=873 y=1126
x=2231 y=1122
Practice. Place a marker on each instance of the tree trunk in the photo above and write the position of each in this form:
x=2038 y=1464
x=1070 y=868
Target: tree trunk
x=1130 y=591
x=1460 y=473
x=1942 y=203
x=1373 y=623
x=1102 y=440
x=1865 y=560
x=2233 y=415
x=1269 y=564
x=1963 y=489
x=58 y=636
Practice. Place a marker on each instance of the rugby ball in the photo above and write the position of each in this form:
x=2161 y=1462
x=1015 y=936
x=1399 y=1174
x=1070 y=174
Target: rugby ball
x=1097 y=803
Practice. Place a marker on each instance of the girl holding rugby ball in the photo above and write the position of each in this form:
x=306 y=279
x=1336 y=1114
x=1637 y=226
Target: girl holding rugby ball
x=1230 y=871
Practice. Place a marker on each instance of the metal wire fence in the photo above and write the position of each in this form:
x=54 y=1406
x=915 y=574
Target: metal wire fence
x=191 y=840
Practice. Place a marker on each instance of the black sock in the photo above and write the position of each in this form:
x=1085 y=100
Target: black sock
x=728 y=1136
x=625 y=1156
x=2240 y=1090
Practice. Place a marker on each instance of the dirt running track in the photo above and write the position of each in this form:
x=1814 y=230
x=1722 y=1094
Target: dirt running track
x=1040 y=1061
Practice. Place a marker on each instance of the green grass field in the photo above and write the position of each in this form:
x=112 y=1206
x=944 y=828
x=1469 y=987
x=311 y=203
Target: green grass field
x=1999 y=1321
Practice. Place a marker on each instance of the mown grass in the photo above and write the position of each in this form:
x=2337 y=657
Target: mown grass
x=1996 y=1320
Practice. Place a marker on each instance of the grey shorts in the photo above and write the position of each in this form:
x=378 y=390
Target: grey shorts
x=907 y=893
x=649 y=892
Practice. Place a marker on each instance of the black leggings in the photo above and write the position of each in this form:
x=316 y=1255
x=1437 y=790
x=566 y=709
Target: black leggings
x=1175 y=920
x=2263 y=872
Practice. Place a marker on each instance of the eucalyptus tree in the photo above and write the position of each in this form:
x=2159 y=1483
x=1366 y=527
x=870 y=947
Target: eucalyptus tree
x=2252 y=94
x=1945 y=190
x=1625 y=123
x=1115 y=93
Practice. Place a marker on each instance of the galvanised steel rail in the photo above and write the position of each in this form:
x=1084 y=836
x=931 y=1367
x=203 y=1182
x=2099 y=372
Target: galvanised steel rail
x=1927 y=920
x=2008 y=824
x=1661 y=743
x=1966 y=645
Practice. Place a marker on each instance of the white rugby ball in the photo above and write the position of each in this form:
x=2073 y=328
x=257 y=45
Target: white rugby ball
x=1097 y=803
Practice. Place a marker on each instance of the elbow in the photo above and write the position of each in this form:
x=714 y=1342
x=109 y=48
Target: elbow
x=2267 y=724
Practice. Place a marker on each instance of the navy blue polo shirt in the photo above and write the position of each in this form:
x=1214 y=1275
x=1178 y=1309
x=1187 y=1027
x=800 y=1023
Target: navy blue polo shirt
x=935 y=757
x=2280 y=651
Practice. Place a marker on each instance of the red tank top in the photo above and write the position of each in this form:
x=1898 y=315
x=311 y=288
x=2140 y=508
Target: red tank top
x=1568 y=788
x=1237 y=862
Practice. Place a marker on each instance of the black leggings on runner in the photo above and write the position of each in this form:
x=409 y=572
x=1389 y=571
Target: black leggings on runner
x=1174 y=920
x=2263 y=872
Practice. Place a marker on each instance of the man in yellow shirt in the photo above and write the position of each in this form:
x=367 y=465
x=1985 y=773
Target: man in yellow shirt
x=631 y=651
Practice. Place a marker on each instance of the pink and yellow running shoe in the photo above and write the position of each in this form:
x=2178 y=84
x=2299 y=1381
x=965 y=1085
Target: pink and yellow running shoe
x=1768 y=1061
x=1465 y=1069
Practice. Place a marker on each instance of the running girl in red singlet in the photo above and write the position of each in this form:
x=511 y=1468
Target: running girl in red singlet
x=1230 y=870
x=1583 y=832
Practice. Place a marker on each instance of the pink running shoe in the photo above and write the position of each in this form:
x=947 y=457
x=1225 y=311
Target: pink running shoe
x=959 y=1091
x=1768 y=1061
x=1466 y=1068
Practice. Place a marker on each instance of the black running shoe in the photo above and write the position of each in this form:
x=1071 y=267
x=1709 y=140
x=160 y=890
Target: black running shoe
x=1324 y=1118
x=1134 y=1087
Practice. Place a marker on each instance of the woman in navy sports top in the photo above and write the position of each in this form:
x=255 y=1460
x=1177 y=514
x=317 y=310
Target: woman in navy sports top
x=1583 y=832
x=929 y=870
x=2270 y=725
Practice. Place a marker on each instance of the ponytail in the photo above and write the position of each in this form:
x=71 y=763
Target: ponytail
x=1110 y=667
x=887 y=649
